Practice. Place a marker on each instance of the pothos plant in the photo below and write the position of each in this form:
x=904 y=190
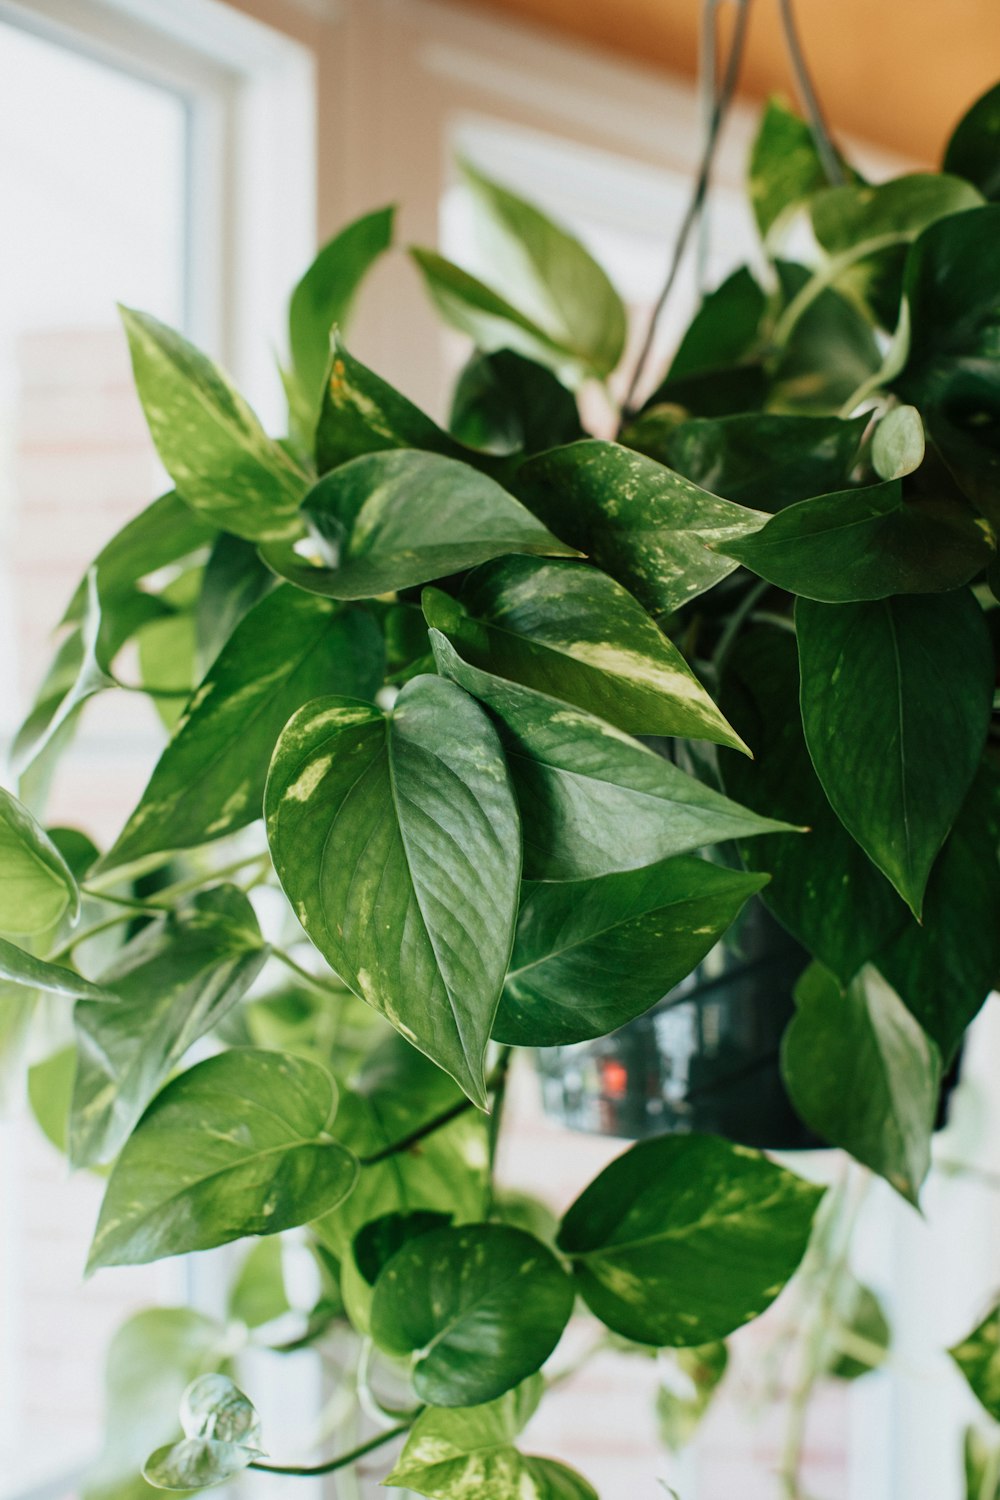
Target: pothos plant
x=494 y=729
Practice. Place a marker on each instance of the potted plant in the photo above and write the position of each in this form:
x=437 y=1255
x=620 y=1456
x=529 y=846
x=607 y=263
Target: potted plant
x=432 y=669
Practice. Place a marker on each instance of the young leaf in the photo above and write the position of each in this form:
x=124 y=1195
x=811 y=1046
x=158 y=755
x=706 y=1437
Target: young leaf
x=896 y=698
x=213 y=447
x=172 y=983
x=36 y=884
x=504 y=403
x=323 y=299
x=196 y=1464
x=390 y=520
x=569 y=630
x=785 y=168
x=898 y=444
x=866 y=544
x=546 y=272
x=592 y=800
x=973 y=151
x=238 y=1145
x=863 y=1074
x=640 y=522
x=646 y=1232
x=213 y=1407
x=210 y=779
x=419 y=808
x=649 y=927
x=24 y=969
x=978 y=1358
x=479 y=1309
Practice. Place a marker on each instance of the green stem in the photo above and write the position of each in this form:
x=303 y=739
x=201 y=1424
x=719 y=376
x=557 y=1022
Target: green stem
x=89 y=932
x=312 y=980
x=734 y=624
x=822 y=280
x=343 y=1460
x=495 y=1082
x=96 y=887
x=153 y=692
x=500 y=1073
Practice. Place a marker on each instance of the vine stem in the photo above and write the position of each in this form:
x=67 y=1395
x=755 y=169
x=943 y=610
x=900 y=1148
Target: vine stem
x=495 y=1084
x=500 y=1073
x=343 y=1460
x=696 y=202
x=307 y=978
x=825 y=148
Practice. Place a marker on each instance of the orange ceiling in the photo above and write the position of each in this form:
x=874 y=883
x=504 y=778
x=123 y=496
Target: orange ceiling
x=896 y=72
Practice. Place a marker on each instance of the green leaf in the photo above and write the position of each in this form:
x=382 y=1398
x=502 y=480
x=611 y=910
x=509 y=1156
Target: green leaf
x=982 y=1466
x=569 y=630
x=50 y=1088
x=379 y=1240
x=898 y=444
x=866 y=543
x=36 y=973
x=419 y=808
x=323 y=299
x=945 y=969
x=235 y=579
x=785 y=168
x=952 y=292
x=863 y=1074
x=823 y=887
x=648 y=927
x=504 y=403
x=173 y=983
x=152 y=1359
x=213 y=447
x=210 y=779
x=478 y=1308
x=762 y=459
x=685 y=1395
x=238 y=1145
x=163 y=533
x=722 y=333
x=978 y=1358
x=213 y=1407
x=594 y=801
x=973 y=151
x=258 y=1294
x=388 y=521
x=395 y=1092
x=547 y=273
x=645 y=525
x=36 y=885
x=829 y=354
x=860 y=1336
x=644 y=1233
x=896 y=698
x=454 y=1454
x=196 y=1464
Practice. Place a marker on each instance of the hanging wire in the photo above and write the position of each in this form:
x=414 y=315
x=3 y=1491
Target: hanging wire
x=694 y=208
x=825 y=148
x=708 y=86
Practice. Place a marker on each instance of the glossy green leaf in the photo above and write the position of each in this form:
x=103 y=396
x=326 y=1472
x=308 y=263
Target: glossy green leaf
x=945 y=968
x=978 y=1358
x=388 y=521
x=36 y=885
x=647 y=927
x=505 y=403
x=863 y=1074
x=234 y=580
x=973 y=152
x=419 y=808
x=163 y=533
x=173 y=983
x=648 y=527
x=785 y=168
x=238 y=1145
x=898 y=444
x=866 y=543
x=323 y=299
x=545 y=272
x=829 y=354
x=478 y=1308
x=823 y=887
x=24 y=969
x=896 y=698
x=686 y=1392
x=213 y=447
x=594 y=801
x=570 y=631
x=455 y=1454
x=952 y=290
x=213 y=1407
x=210 y=779
x=644 y=1231
x=761 y=459
x=196 y=1464
x=380 y=1239
x=722 y=332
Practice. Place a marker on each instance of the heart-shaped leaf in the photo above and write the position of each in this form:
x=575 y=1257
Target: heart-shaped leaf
x=172 y=983
x=238 y=1145
x=863 y=1074
x=213 y=1407
x=978 y=1358
x=649 y=927
x=210 y=779
x=505 y=403
x=570 y=631
x=641 y=1235
x=898 y=444
x=592 y=800
x=974 y=149
x=479 y=1308
x=640 y=522
x=36 y=884
x=196 y=1464
x=213 y=447
x=419 y=808
x=876 y=717
x=390 y=520
x=785 y=168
